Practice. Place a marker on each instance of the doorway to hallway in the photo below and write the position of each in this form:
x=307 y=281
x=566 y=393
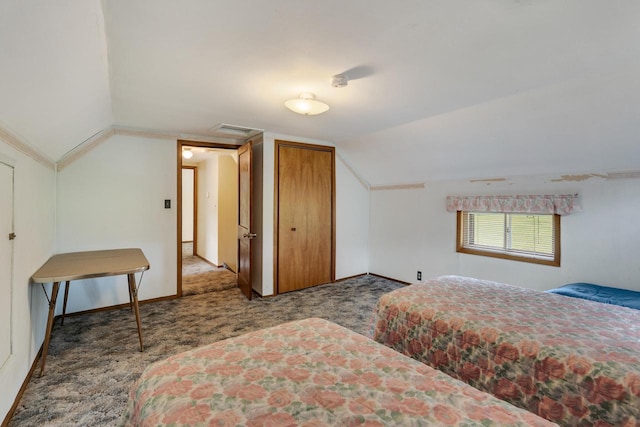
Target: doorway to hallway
x=207 y=217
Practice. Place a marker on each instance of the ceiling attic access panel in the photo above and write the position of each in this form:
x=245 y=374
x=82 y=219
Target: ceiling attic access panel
x=305 y=215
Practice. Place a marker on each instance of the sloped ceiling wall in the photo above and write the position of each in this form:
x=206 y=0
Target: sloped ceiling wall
x=576 y=126
x=54 y=84
x=438 y=89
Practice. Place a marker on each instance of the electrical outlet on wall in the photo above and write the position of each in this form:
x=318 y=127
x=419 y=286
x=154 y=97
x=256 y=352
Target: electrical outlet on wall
x=419 y=275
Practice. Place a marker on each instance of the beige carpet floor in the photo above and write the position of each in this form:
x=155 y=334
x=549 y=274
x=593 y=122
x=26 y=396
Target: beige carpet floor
x=199 y=277
x=94 y=359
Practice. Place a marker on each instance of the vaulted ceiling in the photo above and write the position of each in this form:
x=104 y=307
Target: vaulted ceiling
x=438 y=89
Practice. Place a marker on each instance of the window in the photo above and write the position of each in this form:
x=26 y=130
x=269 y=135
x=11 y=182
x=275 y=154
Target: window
x=523 y=237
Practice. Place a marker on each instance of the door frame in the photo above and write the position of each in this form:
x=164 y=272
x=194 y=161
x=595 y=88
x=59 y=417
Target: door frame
x=5 y=161
x=179 y=145
x=276 y=216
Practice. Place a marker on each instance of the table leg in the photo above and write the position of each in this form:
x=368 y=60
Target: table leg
x=64 y=306
x=134 y=293
x=47 y=337
x=130 y=300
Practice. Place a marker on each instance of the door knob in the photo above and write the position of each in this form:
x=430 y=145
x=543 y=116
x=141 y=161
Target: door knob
x=12 y=236
x=249 y=235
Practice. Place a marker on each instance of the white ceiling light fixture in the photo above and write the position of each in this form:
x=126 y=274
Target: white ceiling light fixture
x=187 y=153
x=306 y=104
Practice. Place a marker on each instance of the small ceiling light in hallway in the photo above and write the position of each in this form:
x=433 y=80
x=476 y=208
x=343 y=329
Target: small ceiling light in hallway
x=306 y=104
x=187 y=153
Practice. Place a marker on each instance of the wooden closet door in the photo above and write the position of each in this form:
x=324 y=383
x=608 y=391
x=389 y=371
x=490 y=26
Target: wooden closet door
x=305 y=217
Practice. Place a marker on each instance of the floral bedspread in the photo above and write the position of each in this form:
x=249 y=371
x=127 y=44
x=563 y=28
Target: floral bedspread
x=572 y=361
x=309 y=373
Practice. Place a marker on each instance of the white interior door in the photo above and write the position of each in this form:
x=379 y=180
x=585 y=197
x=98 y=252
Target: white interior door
x=6 y=259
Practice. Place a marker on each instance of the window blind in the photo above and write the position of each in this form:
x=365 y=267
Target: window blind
x=522 y=235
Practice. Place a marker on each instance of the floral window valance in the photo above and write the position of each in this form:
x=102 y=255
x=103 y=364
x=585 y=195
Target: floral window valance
x=554 y=204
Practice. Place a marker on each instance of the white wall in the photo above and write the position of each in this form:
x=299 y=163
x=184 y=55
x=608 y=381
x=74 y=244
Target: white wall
x=351 y=215
x=352 y=222
x=188 y=177
x=208 y=209
x=268 y=193
x=411 y=230
x=113 y=197
x=218 y=208
x=228 y=209
x=34 y=219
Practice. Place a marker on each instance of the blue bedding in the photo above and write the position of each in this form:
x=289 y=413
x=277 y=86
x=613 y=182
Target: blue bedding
x=605 y=294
